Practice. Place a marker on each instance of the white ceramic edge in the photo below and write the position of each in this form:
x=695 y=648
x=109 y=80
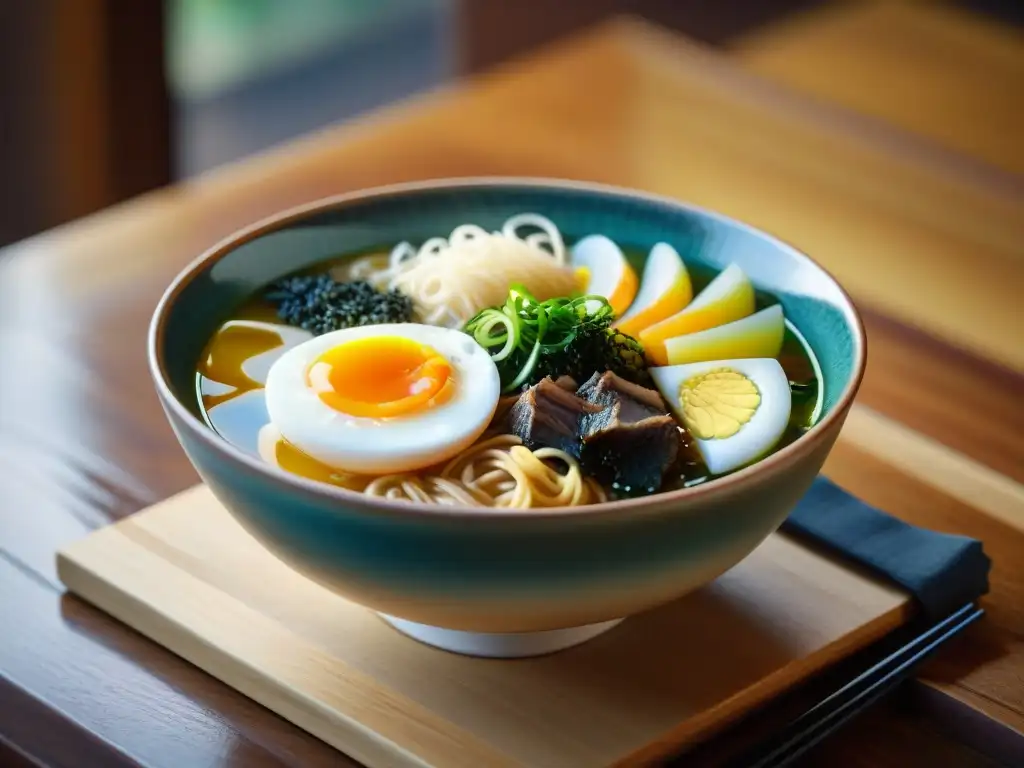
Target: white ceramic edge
x=499 y=645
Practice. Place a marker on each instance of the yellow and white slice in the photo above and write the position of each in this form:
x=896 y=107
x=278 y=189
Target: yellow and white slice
x=758 y=335
x=603 y=271
x=665 y=288
x=729 y=297
x=736 y=411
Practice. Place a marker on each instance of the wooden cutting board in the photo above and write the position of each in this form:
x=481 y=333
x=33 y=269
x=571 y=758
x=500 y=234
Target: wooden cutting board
x=188 y=576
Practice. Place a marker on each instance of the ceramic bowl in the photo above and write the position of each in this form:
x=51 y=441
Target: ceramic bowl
x=473 y=580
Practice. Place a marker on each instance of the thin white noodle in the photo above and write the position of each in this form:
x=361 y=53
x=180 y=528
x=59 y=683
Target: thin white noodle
x=548 y=235
x=466 y=233
x=450 y=280
x=400 y=253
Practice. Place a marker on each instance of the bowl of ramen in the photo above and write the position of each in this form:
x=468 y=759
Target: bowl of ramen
x=506 y=414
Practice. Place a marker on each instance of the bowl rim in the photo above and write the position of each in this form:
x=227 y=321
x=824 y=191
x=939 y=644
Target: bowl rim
x=677 y=499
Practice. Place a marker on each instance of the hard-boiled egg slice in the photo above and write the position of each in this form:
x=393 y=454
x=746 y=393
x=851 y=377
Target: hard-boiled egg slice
x=665 y=289
x=729 y=297
x=606 y=271
x=383 y=398
x=735 y=410
x=759 y=335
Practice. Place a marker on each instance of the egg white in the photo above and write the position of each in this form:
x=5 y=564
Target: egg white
x=755 y=438
x=397 y=444
x=609 y=272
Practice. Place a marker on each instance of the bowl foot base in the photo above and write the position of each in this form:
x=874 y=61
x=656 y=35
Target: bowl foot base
x=499 y=645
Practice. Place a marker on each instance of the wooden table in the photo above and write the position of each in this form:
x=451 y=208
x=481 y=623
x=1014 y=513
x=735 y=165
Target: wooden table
x=929 y=243
x=933 y=69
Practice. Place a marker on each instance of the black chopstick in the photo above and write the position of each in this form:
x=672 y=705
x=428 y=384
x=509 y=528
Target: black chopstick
x=837 y=708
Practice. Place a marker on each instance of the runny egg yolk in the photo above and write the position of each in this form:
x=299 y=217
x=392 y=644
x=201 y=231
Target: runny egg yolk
x=381 y=377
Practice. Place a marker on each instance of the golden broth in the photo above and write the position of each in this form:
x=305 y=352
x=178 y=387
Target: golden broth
x=233 y=404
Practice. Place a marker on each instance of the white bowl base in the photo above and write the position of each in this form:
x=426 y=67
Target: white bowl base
x=499 y=645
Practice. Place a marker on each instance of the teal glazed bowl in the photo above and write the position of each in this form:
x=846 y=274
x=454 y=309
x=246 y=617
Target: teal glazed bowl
x=475 y=580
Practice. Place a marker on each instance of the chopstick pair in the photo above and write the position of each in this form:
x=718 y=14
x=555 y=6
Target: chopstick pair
x=839 y=707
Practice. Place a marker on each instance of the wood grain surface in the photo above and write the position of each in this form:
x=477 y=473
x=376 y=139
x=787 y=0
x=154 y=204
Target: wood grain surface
x=936 y=70
x=927 y=241
x=181 y=573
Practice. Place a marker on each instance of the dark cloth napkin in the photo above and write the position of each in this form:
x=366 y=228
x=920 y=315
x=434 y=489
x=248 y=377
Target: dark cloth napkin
x=942 y=571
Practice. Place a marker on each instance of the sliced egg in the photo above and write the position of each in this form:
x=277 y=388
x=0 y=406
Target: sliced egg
x=383 y=398
x=759 y=335
x=735 y=410
x=729 y=297
x=665 y=289
x=605 y=271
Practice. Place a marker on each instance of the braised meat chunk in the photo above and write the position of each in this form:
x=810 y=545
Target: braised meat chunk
x=620 y=432
x=632 y=441
x=548 y=414
x=620 y=401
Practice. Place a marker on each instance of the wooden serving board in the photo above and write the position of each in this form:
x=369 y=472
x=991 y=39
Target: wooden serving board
x=188 y=576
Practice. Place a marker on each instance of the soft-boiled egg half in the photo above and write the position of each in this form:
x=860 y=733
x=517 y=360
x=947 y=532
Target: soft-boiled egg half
x=383 y=398
x=735 y=410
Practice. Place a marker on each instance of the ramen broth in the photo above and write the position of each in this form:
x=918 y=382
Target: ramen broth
x=234 y=405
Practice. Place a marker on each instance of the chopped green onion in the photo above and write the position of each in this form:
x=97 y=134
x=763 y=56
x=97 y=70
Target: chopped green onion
x=528 y=339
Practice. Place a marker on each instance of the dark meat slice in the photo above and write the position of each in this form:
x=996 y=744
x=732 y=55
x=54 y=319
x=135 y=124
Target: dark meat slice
x=549 y=415
x=621 y=432
x=622 y=401
x=632 y=458
x=592 y=387
x=606 y=387
x=631 y=441
x=503 y=410
x=567 y=383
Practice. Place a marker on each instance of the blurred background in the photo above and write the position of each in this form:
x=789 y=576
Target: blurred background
x=104 y=99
